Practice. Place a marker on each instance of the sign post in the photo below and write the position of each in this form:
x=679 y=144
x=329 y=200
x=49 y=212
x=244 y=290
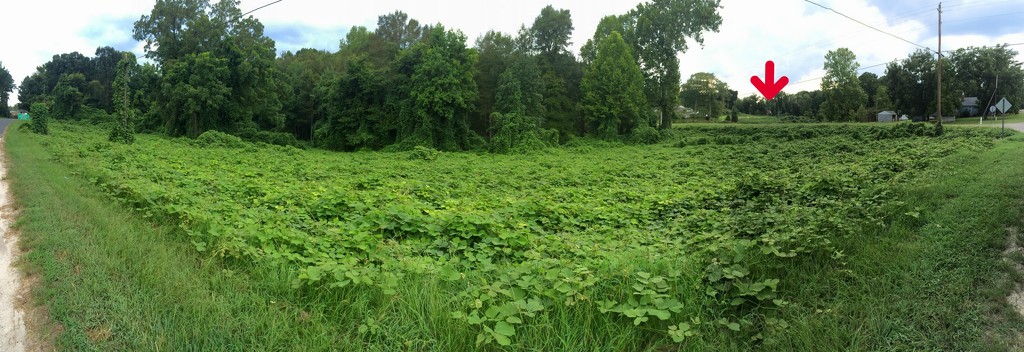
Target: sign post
x=1003 y=105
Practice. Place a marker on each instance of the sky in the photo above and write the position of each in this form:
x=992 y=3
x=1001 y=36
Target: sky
x=795 y=34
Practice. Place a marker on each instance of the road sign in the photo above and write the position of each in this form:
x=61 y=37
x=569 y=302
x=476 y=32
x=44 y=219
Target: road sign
x=1003 y=105
x=991 y=109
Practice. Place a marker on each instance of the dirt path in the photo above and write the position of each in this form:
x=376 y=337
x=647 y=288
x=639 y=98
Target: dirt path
x=13 y=334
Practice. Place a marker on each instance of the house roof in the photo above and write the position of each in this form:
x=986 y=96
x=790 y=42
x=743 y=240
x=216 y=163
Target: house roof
x=970 y=101
x=887 y=112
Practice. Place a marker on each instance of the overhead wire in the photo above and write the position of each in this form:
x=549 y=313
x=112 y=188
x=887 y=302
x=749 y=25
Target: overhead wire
x=254 y=10
x=869 y=26
x=909 y=15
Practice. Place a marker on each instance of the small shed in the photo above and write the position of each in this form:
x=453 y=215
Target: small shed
x=886 y=116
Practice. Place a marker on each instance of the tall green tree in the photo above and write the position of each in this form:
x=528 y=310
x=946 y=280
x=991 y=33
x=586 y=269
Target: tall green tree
x=613 y=97
x=869 y=82
x=975 y=70
x=705 y=93
x=399 y=30
x=607 y=25
x=32 y=90
x=356 y=115
x=184 y=30
x=912 y=84
x=495 y=50
x=662 y=28
x=440 y=92
x=68 y=97
x=193 y=93
x=308 y=75
x=560 y=71
x=551 y=31
x=6 y=86
x=841 y=86
x=882 y=101
x=101 y=78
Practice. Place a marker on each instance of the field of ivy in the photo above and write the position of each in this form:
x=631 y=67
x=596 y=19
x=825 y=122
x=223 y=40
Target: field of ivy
x=684 y=239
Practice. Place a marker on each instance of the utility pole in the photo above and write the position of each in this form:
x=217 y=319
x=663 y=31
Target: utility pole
x=938 y=100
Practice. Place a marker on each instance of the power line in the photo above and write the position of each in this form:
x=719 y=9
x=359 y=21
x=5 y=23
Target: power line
x=869 y=26
x=858 y=70
x=254 y=10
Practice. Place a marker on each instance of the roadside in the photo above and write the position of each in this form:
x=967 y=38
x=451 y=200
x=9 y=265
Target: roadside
x=13 y=331
x=1019 y=126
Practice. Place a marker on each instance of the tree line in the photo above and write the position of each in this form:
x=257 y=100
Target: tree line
x=908 y=87
x=400 y=85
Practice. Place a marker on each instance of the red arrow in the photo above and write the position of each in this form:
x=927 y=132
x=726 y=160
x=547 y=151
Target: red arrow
x=771 y=88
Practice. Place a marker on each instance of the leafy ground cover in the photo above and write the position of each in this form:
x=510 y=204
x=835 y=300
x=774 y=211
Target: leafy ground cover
x=703 y=241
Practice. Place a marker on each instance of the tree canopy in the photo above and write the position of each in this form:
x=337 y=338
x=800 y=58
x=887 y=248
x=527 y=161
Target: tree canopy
x=613 y=98
x=844 y=96
x=6 y=87
x=399 y=85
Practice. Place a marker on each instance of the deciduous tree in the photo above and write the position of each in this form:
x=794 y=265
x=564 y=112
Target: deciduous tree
x=705 y=93
x=613 y=97
x=6 y=86
x=440 y=92
x=843 y=93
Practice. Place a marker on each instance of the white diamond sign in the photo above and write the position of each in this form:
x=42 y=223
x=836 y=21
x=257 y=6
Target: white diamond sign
x=1003 y=105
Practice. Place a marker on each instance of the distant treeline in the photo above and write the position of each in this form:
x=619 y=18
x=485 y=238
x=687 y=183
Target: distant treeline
x=403 y=84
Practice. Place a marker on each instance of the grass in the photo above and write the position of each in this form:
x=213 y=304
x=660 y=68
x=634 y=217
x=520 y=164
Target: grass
x=935 y=282
x=112 y=281
x=990 y=121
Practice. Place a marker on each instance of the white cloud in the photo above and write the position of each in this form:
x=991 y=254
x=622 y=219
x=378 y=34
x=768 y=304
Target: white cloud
x=796 y=35
x=793 y=33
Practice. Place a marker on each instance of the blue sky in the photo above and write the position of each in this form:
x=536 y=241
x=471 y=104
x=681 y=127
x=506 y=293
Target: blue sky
x=793 y=33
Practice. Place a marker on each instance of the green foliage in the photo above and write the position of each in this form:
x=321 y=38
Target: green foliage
x=659 y=33
x=217 y=139
x=67 y=97
x=645 y=135
x=509 y=96
x=124 y=127
x=40 y=115
x=912 y=85
x=554 y=232
x=193 y=93
x=440 y=92
x=613 y=98
x=276 y=138
x=973 y=70
x=841 y=86
x=424 y=153
x=705 y=93
x=516 y=133
x=6 y=87
x=219 y=67
x=551 y=31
